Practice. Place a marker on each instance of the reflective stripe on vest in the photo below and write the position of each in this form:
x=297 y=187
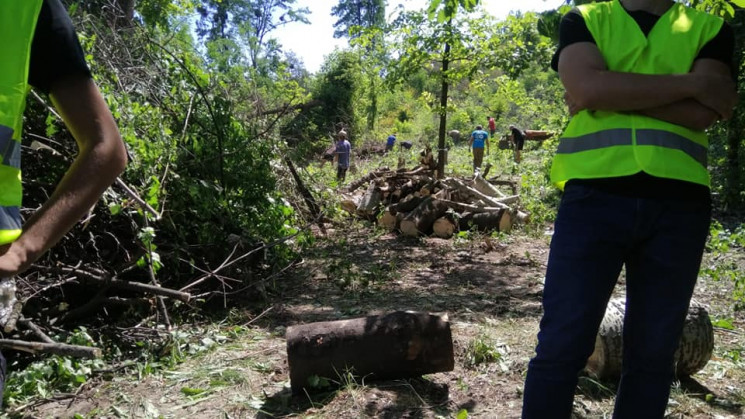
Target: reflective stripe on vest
x=623 y=136
x=17 y=26
x=10 y=149
x=604 y=144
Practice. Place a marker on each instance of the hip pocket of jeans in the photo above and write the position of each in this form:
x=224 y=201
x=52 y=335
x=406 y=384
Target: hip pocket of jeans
x=576 y=193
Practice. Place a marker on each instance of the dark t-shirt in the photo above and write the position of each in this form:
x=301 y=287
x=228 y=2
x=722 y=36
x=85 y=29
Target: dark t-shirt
x=517 y=134
x=55 y=52
x=573 y=29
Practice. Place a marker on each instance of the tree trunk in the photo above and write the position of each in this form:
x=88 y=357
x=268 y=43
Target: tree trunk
x=420 y=220
x=396 y=345
x=696 y=343
x=443 y=106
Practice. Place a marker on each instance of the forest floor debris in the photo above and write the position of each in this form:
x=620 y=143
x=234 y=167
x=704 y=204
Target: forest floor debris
x=491 y=291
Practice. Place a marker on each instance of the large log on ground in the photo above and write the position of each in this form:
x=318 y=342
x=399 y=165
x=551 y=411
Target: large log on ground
x=396 y=345
x=420 y=220
x=694 y=351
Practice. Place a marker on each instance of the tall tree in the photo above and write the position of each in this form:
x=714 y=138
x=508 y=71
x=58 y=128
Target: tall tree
x=354 y=15
x=362 y=21
x=248 y=22
x=440 y=37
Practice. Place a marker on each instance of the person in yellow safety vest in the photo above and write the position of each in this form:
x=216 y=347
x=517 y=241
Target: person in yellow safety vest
x=41 y=49
x=643 y=80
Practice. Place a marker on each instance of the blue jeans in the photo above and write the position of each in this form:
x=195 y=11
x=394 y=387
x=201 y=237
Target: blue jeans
x=661 y=243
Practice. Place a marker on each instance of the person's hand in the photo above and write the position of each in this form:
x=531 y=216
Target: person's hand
x=717 y=92
x=13 y=260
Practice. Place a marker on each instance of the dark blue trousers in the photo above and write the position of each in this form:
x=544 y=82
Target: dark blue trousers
x=596 y=233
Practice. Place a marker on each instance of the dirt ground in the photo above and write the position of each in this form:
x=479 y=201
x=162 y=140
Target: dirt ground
x=491 y=290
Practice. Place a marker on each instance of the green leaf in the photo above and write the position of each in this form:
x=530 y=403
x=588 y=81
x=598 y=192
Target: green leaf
x=738 y=3
x=723 y=323
x=462 y=414
x=189 y=391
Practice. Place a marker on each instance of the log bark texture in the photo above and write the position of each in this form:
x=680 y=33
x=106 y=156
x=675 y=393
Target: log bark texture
x=499 y=220
x=694 y=351
x=396 y=345
x=420 y=220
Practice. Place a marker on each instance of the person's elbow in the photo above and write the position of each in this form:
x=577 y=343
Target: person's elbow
x=112 y=152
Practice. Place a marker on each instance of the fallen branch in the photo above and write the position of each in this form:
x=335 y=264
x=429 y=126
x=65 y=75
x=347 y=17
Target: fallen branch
x=117 y=283
x=28 y=324
x=61 y=349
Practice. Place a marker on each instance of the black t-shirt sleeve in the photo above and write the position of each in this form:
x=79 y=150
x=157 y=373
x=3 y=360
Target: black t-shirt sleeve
x=721 y=47
x=573 y=29
x=55 y=52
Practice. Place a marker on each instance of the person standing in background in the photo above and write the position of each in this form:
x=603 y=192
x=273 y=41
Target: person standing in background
x=479 y=140
x=342 y=156
x=492 y=126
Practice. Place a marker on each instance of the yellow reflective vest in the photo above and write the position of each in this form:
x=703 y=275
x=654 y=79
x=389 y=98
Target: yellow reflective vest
x=17 y=25
x=603 y=144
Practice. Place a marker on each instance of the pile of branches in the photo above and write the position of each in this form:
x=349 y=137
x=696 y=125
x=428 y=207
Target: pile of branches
x=415 y=203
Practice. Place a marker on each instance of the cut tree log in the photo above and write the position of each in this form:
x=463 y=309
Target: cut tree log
x=443 y=227
x=500 y=220
x=472 y=194
x=420 y=220
x=694 y=351
x=537 y=135
x=396 y=345
x=369 y=203
x=350 y=204
x=501 y=182
x=481 y=185
x=367 y=178
x=389 y=220
x=407 y=204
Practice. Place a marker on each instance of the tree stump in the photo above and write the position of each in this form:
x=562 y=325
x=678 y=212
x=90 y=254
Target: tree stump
x=694 y=351
x=396 y=345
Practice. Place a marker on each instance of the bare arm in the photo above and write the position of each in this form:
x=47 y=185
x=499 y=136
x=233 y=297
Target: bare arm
x=590 y=85
x=689 y=112
x=100 y=160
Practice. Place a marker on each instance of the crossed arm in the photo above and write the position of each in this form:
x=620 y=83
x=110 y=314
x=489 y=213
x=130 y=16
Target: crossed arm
x=100 y=160
x=695 y=100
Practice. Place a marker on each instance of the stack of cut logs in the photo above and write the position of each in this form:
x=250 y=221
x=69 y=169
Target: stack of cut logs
x=415 y=203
